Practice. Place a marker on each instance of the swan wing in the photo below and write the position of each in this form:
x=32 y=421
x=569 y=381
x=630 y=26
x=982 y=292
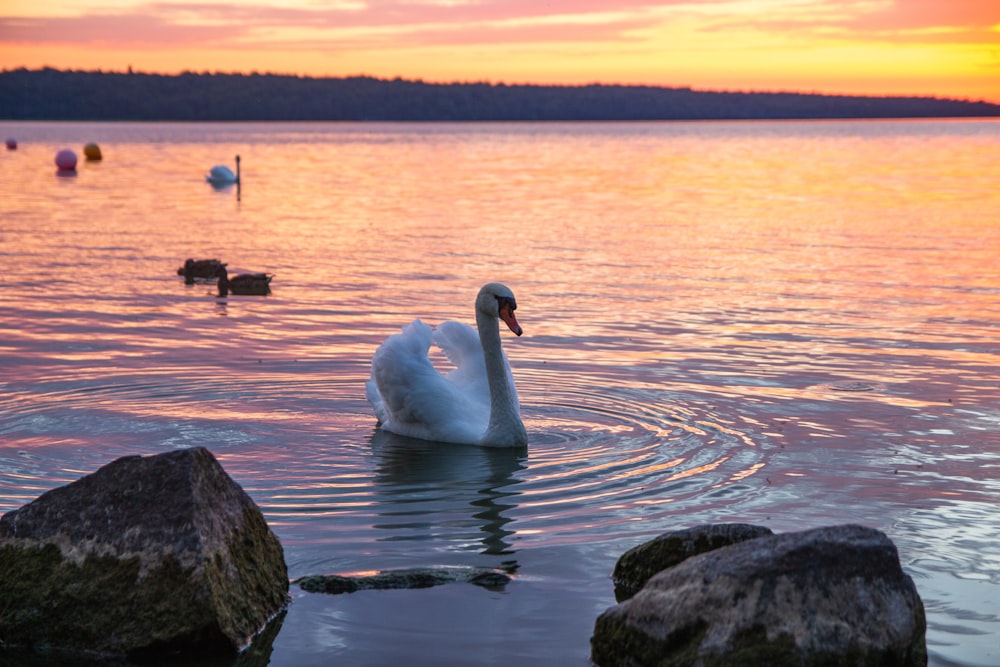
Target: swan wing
x=462 y=346
x=412 y=398
x=460 y=343
x=220 y=173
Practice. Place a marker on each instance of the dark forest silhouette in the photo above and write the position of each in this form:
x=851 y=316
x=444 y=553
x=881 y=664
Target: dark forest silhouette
x=50 y=94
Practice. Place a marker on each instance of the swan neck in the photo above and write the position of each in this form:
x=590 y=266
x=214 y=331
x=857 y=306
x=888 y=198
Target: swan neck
x=505 y=427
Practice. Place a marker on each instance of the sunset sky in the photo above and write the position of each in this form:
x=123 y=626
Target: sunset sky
x=946 y=48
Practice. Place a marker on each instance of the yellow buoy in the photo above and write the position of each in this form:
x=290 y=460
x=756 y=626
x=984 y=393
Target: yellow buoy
x=92 y=151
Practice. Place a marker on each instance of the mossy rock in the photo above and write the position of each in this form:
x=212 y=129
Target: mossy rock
x=827 y=596
x=637 y=565
x=146 y=556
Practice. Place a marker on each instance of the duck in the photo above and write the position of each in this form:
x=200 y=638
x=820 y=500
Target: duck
x=220 y=174
x=475 y=403
x=200 y=268
x=244 y=283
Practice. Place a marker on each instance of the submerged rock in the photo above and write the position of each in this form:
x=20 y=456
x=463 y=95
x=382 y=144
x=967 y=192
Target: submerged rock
x=829 y=596
x=637 y=565
x=148 y=555
x=491 y=578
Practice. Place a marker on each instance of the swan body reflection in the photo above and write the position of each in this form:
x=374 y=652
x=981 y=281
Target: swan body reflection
x=425 y=488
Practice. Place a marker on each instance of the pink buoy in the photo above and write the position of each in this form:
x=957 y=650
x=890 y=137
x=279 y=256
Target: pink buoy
x=11 y=144
x=66 y=160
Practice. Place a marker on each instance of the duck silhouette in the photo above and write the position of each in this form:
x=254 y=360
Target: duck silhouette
x=244 y=283
x=207 y=269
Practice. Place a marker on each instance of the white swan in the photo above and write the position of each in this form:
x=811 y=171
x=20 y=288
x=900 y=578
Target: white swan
x=476 y=403
x=220 y=174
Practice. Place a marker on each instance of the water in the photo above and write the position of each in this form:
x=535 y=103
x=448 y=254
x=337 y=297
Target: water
x=791 y=324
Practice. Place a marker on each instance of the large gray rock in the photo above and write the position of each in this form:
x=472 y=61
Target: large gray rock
x=147 y=555
x=829 y=596
x=637 y=565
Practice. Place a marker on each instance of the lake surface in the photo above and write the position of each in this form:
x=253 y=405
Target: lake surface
x=791 y=324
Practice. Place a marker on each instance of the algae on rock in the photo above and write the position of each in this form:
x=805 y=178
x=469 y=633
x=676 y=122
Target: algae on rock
x=144 y=556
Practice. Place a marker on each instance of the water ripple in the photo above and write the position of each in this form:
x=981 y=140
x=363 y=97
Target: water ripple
x=597 y=462
x=713 y=340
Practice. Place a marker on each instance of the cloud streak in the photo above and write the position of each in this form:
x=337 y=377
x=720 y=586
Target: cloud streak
x=900 y=21
x=377 y=25
x=430 y=23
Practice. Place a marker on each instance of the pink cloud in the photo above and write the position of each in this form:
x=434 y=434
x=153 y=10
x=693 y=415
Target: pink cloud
x=919 y=14
x=123 y=30
x=903 y=21
x=489 y=22
x=168 y=23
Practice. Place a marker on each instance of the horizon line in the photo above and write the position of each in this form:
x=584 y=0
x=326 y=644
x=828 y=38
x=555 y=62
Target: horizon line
x=130 y=71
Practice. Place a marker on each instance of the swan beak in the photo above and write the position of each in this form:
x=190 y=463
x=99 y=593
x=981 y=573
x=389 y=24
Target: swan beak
x=507 y=315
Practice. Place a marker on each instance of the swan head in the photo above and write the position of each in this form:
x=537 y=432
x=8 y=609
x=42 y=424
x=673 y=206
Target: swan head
x=498 y=301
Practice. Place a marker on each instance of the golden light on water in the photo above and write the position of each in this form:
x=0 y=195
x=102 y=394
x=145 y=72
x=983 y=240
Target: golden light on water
x=789 y=324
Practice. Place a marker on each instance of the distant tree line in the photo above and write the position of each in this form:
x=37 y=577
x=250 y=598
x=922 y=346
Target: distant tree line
x=51 y=94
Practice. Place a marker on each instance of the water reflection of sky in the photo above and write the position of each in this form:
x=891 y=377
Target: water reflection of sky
x=788 y=324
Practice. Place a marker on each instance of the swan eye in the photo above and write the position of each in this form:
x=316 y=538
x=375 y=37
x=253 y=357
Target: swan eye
x=506 y=302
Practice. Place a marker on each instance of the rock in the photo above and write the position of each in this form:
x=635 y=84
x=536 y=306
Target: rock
x=148 y=555
x=829 y=596
x=637 y=565
x=491 y=578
